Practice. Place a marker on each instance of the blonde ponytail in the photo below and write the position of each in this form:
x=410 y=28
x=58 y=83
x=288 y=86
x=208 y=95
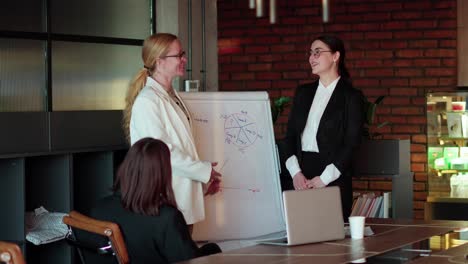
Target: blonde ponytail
x=134 y=89
x=154 y=47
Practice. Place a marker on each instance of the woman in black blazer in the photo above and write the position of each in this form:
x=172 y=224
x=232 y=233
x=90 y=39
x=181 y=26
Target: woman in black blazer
x=144 y=207
x=325 y=123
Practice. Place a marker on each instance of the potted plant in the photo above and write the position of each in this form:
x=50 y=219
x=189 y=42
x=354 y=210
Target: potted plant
x=278 y=107
x=370 y=109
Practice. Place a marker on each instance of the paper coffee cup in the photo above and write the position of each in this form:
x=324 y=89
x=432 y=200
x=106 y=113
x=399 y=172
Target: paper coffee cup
x=356 y=226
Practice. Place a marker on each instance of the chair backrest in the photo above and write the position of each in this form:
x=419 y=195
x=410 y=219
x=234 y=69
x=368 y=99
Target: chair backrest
x=104 y=228
x=10 y=253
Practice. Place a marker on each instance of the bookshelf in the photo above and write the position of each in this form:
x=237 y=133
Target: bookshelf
x=68 y=161
x=389 y=158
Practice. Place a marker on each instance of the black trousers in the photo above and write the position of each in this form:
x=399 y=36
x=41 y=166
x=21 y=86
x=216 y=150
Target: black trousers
x=313 y=164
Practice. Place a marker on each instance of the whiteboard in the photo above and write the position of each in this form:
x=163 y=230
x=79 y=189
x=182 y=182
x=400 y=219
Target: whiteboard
x=236 y=130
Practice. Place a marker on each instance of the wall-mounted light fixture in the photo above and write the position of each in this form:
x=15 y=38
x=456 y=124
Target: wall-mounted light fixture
x=258 y=6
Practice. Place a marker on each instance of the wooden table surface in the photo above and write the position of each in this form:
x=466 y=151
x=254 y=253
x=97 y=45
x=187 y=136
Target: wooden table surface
x=389 y=235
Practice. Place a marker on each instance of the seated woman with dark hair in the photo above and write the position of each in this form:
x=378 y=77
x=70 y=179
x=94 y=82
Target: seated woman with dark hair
x=144 y=206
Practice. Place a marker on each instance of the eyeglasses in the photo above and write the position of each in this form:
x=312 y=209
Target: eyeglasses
x=317 y=53
x=180 y=55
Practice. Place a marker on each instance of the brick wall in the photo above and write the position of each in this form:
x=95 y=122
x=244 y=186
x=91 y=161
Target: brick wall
x=397 y=48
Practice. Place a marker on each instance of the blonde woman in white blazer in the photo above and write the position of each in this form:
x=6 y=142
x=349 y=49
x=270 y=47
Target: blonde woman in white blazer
x=154 y=109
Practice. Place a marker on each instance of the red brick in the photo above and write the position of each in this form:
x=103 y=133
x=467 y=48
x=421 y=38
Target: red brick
x=418 y=205
x=394 y=25
x=421 y=24
x=408 y=72
x=418 y=5
x=438 y=14
x=427 y=62
x=418 y=148
x=365 y=82
x=441 y=34
x=423 y=82
x=419 y=138
x=393 y=100
x=286 y=66
x=406 y=129
x=419 y=186
x=295 y=75
x=406 y=15
x=395 y=82
x=407 y=110
x=367 y=63
x=257 y=85
x=423 y=44
x=257 y=49
x=443 y=53
x=294 y=21
x=387 y=7
x=267 y=39
x=284 y=84
x=269 y=58
x=400 y=62
x=418 y=214
x=229 y=50
x=284 y=30
x=420 y=120
x=396 y=119
x=451 y=82
x=451 y=23
x=244 y=59
x=418 y=167
x=419 y=157
x=394 y=44
x=380 y=185
x=233 y=67
x=409 y=35
x=379 y=72
x=420 y=196
x=282 y=48
x=409 y=53
x=365 y=27
x=449 y=62
x=243 y=76
x=231 y=86
x=260 y=67
x=360 y=185
x=420 y=177
x=378 y=35
x=441 y=72
x=268 y=75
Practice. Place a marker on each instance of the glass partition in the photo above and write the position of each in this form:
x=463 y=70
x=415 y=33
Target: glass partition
x=104 y=18
x=22 y=75
x=87 y=76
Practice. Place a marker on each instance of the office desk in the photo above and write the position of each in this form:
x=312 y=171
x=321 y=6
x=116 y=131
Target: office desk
x=389 y=235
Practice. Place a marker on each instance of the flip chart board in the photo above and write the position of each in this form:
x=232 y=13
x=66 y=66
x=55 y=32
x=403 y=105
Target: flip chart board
x=236 y=130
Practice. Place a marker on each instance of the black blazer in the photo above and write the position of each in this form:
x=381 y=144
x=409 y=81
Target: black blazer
x=340 y=129
x=149 y=239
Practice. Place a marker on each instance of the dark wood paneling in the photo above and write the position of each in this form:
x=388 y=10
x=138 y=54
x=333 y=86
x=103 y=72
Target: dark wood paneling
x=23 y=132
x=75 y=130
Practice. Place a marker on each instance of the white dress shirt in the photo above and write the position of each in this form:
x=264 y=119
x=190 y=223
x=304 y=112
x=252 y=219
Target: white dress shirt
x=309 y=142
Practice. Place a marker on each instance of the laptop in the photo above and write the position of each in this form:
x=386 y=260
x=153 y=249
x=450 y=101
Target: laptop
x=312 y=215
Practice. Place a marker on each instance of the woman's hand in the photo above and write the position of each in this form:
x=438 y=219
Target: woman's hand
x=214 y=184
x=316 y=182
x=300 y=181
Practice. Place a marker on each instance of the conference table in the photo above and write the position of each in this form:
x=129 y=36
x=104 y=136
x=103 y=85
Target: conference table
x=393 y=241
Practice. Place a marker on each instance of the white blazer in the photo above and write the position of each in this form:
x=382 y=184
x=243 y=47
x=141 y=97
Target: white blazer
x=155 y=114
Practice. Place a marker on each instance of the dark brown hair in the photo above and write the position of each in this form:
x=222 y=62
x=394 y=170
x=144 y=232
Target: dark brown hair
x=336 y=44
x=145 y=178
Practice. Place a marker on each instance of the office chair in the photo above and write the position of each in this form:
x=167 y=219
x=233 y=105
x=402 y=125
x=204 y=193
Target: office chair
x=10 y=253
x=110 y=230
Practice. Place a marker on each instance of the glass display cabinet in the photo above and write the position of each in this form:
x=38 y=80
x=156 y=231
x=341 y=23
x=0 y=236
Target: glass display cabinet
x=447 y=156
